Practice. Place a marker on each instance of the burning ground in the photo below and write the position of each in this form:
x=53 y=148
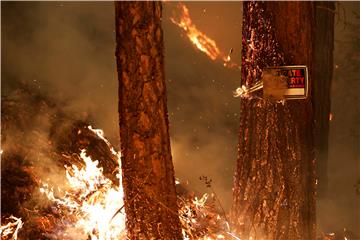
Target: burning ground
x=38 y=140
x=201 y=109
x=61 y=179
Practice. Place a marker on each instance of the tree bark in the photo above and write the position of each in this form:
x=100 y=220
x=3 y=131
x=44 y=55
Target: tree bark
x=274 y=183
x=148 y=174
x=324 y=45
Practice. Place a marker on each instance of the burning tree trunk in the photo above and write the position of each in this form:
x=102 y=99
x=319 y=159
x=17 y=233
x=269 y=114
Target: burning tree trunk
x=148 y=174
x=274 y=184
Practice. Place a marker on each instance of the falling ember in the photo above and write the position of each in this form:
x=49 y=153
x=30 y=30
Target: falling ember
x=200 y=40
x=11 y=229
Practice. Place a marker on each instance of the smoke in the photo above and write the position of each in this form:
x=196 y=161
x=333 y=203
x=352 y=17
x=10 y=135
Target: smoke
x=29 y=155
x=38 y=140
x=203 y=113
x=341 y=207
x=66 y=51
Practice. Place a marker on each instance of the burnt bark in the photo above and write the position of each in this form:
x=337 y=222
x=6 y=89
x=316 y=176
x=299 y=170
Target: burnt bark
x=148 y=174
x=324 y=45
x=274 y=183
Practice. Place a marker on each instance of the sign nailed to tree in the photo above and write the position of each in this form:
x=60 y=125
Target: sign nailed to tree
x=280 y=83
x=285 y=82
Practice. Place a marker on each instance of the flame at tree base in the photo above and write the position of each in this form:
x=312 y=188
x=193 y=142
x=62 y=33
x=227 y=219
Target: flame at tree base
x=91 y=207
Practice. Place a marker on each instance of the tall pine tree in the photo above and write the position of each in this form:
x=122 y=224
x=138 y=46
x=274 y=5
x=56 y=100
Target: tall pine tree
x=274 y=184
x=148 y=174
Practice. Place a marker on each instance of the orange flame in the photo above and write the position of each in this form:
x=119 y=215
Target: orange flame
x=92 y=203
x=200 y=40
x=92 y=200
x=11 y=229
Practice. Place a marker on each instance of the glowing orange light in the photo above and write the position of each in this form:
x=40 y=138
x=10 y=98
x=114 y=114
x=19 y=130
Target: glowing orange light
x=200 y=40
x=92 y=199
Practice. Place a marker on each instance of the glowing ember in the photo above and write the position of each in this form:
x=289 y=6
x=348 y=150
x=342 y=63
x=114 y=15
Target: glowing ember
x=331 y=117
x=11 y=229
x=199 y=39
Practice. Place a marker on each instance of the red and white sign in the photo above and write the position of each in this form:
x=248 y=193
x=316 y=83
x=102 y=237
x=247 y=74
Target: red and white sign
x=295 y=80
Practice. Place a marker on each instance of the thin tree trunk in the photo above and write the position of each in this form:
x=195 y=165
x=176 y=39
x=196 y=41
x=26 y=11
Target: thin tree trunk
x=323 y=72
x=148 y=174
x=274 y=184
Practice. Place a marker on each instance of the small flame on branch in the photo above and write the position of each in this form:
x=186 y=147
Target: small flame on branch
x=11 y=229
x=200 y=40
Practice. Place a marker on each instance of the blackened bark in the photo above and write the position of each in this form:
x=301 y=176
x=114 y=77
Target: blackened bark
x=324 y=47
x=274 y=183
x=148 y=174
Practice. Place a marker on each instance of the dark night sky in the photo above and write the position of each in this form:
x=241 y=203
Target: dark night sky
x=66 y=50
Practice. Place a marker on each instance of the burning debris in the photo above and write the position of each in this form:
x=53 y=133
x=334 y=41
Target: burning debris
x=64 y=182
x=90 y=202
x=200 y=220
x=84 y=200
x=61 y=178
x=339 y=235
x=38 y=140
x=11 y=229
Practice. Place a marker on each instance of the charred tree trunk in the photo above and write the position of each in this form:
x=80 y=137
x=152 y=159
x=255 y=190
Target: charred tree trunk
x=324 y=45
x=274 y=184
x=148 y=174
